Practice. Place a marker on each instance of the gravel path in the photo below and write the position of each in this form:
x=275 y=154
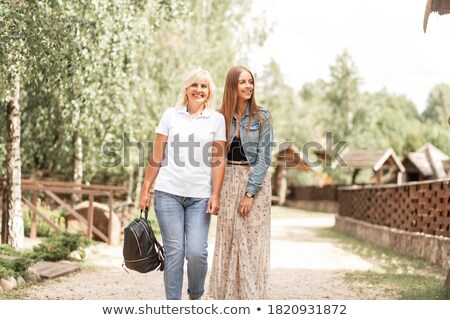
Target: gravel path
x=304 y=266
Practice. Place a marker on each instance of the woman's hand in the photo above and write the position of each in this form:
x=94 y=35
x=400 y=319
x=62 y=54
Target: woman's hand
x=245 y=205
x=213 y=205
x=145 y=200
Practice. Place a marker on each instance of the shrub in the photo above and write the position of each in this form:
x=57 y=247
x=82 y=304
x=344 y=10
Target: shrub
x=59 y=246
x=14 y=268
x=55 y=247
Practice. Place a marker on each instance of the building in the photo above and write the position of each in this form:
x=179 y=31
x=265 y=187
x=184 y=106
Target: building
x=427 y=163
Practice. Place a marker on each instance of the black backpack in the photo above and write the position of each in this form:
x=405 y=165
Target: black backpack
x=141 y=251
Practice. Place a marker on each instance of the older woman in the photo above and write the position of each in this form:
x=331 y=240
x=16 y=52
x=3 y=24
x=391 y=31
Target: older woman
x=187 y=165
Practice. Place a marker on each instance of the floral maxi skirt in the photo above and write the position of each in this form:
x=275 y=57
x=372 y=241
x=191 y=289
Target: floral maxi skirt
x=241 y=262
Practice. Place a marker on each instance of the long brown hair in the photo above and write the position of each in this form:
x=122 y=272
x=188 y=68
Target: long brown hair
x=230 y=99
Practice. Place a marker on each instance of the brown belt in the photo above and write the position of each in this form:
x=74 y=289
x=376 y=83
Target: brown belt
x=237 y=163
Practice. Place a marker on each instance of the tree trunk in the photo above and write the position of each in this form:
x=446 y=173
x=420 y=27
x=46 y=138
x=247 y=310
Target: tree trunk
x=13 y=174
x=77 y=158
x=5 y=217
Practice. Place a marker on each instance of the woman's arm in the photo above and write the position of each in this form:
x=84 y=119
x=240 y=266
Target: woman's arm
x=264 y=159
x=264 y=155
x=218 y=164
x=154 y=163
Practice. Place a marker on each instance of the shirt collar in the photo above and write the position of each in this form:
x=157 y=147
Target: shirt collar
x=205 y=113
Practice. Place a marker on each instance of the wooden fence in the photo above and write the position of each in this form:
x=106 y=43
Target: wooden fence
x=417 y=207
x=54 y=190
x=313 y=193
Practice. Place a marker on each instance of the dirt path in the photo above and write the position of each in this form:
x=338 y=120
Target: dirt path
x=303 y=266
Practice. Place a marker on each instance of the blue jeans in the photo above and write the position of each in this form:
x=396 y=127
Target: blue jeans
x=184 y=225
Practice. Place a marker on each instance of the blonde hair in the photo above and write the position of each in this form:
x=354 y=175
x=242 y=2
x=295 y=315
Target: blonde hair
x=195 y=76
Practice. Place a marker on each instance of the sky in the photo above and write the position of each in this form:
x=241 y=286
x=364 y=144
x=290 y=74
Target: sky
x=385 y=39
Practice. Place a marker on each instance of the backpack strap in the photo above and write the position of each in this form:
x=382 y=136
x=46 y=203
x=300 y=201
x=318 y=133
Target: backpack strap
x=158 y=245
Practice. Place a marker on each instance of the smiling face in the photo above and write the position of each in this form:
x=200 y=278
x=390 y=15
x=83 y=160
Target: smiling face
x=197 y=93
x=245 y=86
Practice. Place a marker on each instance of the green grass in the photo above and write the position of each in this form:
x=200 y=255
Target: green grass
x=405 y=286
x=399 y=275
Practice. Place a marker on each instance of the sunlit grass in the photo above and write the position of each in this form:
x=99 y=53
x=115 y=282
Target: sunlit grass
x=400 y=275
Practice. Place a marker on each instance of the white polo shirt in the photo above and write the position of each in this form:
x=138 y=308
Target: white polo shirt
x=186 y=169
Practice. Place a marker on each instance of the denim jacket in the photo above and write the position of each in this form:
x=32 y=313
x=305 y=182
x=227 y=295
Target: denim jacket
x=257 y=144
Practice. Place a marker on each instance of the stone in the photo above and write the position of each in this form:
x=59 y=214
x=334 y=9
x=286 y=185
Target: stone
x=12 y=281
x=6 y=285
x=31 y=276
x=20 y=282
x=75 y=255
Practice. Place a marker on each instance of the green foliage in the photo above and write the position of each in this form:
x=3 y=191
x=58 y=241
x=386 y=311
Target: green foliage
x=275 y=94
x=53 y=248
x=371 y=121
x=296 y=178
x=438 y=105
x=59 y=246
x=343 y=96
x=96 y=72
x=15 y=267
x=8 y=250
x=43 y=229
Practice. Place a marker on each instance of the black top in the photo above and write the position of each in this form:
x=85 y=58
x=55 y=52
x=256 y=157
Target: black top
x=236 y=152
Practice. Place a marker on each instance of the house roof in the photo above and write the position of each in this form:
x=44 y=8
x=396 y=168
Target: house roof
x=375 y=159
x=291 y=157
x=439 y=6
x=429 y=161
x=446 y=164
x=420 y=163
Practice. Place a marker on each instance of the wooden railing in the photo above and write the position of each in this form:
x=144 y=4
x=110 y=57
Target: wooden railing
x=52 y=189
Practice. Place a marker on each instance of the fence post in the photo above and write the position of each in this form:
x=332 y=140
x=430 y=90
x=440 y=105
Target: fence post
x=110 y=200
x=33 y=229
x=90 y=216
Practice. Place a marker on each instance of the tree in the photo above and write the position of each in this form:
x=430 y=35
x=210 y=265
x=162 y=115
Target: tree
x=436 y=116
x=274 y=93
x=438 y=105
x=29 y=44
x=94 y=72
x=343 y=95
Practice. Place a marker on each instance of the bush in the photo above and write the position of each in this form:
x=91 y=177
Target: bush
x=59 y=246
x=14 y=268
x=55 y=247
